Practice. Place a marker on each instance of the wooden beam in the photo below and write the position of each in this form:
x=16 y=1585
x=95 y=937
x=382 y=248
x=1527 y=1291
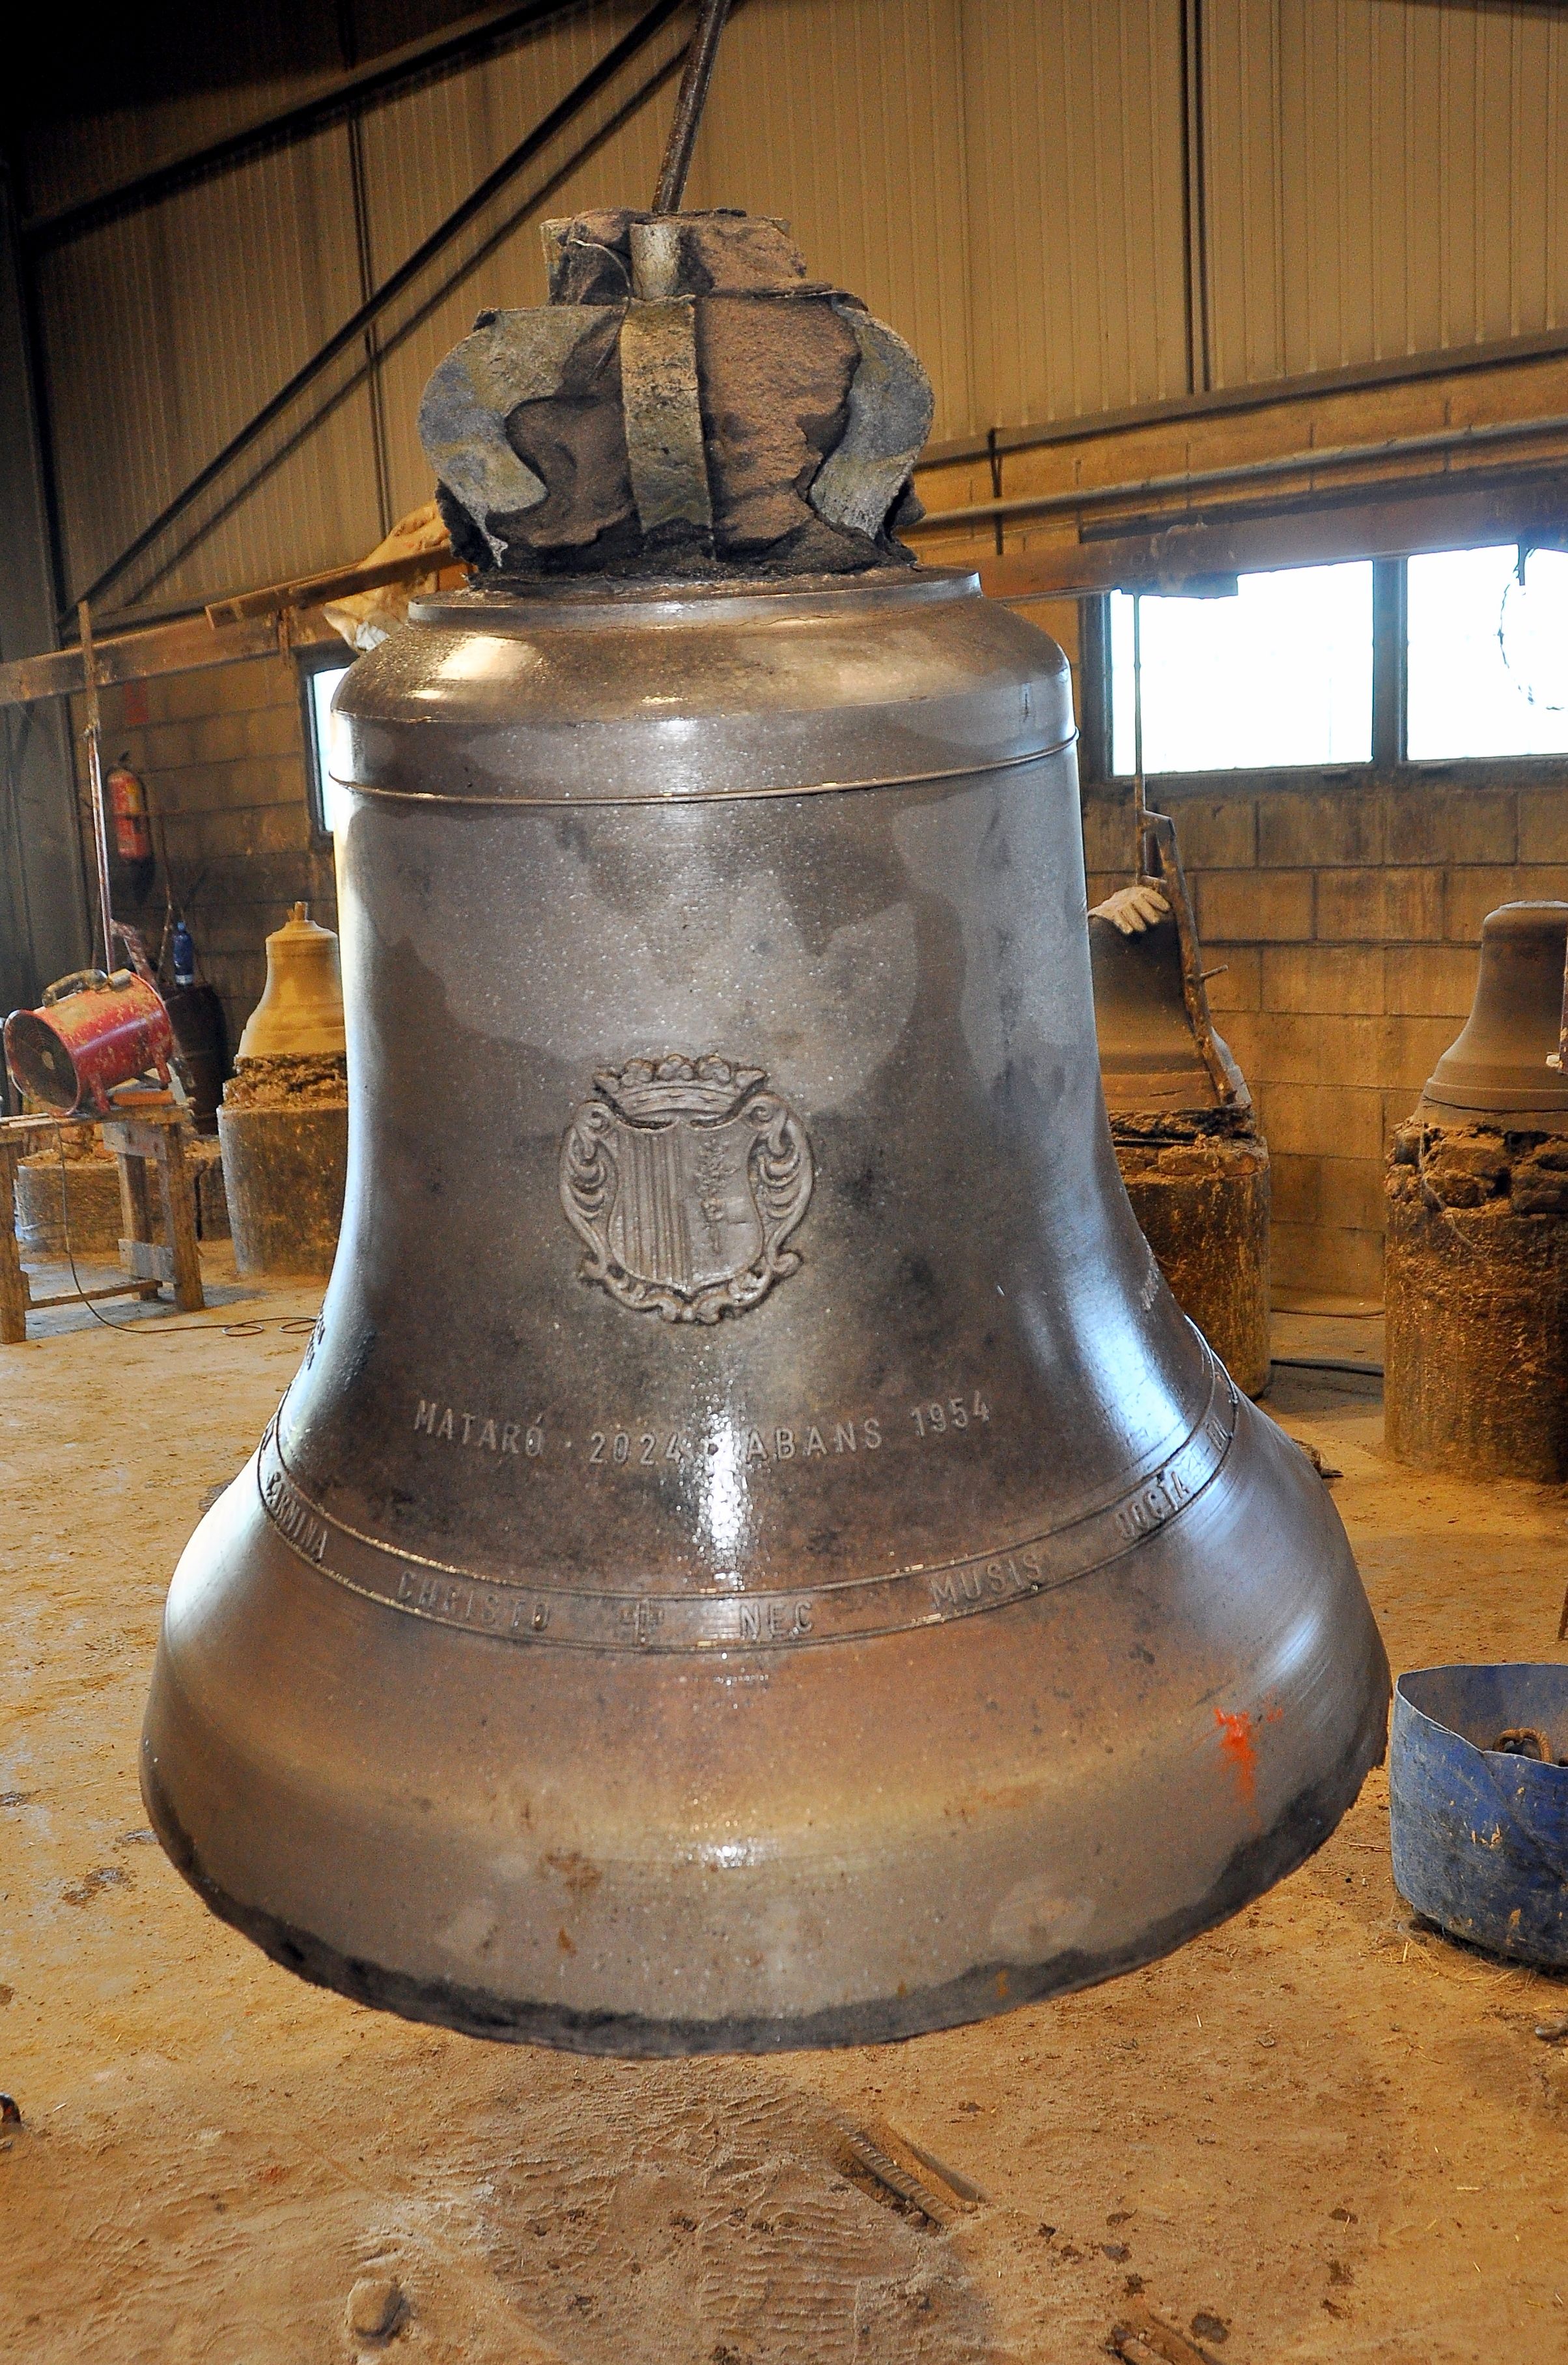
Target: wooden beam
x=1311 y=534
x=182 y=648
x=246 y=626
x=341 y=583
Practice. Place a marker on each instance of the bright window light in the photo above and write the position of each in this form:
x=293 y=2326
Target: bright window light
x=1488 y=654
x=1280 y=673
x=334 y=805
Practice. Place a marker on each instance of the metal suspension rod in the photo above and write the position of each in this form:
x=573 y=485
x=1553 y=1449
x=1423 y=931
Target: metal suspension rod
x=353 y=329
x=1140 y=794
x=93 y=734
x=689 y=104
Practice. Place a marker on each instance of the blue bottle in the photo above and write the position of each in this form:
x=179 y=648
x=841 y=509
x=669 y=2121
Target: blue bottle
x=182 y=953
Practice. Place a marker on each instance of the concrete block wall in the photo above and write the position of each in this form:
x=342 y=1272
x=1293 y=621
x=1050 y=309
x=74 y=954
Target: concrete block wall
x=1347 y=917
x=222 y=756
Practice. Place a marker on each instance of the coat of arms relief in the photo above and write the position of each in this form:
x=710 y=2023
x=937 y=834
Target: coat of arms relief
x=684 y=1179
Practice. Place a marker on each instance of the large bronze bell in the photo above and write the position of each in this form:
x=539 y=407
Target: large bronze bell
x=754 y=1556
x=1501 y=1071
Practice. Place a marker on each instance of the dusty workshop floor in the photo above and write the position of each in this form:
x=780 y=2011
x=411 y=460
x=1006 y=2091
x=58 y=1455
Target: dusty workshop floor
x=1323 y=2133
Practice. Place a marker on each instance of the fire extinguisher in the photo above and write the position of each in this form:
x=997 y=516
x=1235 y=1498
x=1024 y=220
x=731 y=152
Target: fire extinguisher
x=127 y=804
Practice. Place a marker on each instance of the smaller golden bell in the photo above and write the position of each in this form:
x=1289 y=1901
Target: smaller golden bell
x=300 y=1015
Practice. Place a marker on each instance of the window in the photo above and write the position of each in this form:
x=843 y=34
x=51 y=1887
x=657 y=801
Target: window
x=321 y=670
x=1487 y=651
x=1280 y=672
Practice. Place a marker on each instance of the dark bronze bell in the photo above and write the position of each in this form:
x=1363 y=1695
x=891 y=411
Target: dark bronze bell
x=754 y=1555
x=1195 y=1166
x=1502 y=1070
x=1159 y=1051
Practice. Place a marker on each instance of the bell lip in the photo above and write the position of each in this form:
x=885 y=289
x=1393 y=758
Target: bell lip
x=617 y=603
x=1257 y=1865
x=1187 y=1091
x=1490 y=1111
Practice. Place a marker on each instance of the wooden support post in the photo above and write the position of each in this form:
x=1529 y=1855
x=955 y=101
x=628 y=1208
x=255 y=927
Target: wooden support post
x=155 y=1140
x=135 y=1206
x=14 y=1290
x=179 y=1217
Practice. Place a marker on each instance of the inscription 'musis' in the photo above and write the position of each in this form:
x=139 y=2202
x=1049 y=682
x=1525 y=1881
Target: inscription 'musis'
x=476 y=1429
x=683 y=1178
x=955 y=1589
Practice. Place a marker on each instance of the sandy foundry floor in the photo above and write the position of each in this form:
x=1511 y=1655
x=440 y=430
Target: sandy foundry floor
x=1323 y=2130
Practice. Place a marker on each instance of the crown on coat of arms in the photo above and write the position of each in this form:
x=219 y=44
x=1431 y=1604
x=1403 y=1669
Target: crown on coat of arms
x=675 y=1086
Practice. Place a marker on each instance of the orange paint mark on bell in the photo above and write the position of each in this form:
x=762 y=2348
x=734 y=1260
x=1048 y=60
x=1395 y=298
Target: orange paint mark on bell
x=1240 y=1749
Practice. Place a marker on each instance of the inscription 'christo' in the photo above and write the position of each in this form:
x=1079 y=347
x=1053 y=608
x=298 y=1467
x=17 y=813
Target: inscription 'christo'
x=457 y=1600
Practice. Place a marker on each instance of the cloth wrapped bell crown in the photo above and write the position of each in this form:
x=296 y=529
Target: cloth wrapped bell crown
x=687 y=402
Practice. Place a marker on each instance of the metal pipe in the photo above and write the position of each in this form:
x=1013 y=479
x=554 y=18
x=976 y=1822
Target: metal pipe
x=689 y=104
x=1291 y=464
x=1266 y=394
x=415 y=63
x=353 y=329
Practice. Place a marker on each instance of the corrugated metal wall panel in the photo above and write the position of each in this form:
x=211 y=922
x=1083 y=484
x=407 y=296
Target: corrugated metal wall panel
x=1003 y=180
x=1074 y=138
x=213 y=300
x=1381 y=179
x=77 y=156
x=165 y=333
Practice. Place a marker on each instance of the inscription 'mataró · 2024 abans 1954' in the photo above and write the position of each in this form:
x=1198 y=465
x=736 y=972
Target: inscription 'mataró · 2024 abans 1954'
x=686 y=1178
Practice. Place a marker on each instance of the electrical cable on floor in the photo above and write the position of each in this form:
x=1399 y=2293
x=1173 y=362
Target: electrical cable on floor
x=251 y=1327
x=1325 y=1363
x=1329 y=1314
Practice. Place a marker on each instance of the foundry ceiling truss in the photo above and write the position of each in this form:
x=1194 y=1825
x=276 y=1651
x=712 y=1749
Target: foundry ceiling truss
x=557 y=119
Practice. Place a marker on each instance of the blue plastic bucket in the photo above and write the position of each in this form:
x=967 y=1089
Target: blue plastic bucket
x=1480 y=1835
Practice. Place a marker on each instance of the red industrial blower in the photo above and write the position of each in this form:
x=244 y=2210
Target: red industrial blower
x=90 y=1032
